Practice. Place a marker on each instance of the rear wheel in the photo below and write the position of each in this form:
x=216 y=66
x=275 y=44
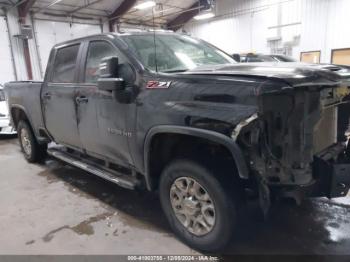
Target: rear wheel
x=31 y=149
x=197 y=205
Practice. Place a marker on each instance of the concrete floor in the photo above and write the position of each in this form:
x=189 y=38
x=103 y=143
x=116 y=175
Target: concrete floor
x=56 y=209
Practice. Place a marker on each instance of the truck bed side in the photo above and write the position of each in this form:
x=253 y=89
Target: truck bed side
x=25 y=98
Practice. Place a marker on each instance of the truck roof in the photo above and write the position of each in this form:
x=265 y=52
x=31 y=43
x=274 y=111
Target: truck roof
x=294 y=73
x=116 y=35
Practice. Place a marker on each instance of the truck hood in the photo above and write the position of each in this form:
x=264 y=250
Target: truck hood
x=294 y=74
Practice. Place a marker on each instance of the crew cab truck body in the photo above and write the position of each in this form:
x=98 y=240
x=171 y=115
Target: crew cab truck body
x=181 y=117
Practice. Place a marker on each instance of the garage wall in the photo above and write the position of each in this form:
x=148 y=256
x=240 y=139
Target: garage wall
x=49 y=33
x=17 y=49
x=7 y=70
x=277 y=26
x=238 y=27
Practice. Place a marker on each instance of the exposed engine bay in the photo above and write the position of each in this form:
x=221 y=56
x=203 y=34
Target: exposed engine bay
x=295 y=133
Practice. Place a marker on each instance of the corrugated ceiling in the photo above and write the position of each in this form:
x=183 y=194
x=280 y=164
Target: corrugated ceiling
x=163 y=12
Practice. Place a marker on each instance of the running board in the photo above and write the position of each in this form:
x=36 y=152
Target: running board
x=120 y=179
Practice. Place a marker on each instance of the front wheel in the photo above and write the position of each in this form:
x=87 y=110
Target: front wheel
x=32 y=150
x=198 y=206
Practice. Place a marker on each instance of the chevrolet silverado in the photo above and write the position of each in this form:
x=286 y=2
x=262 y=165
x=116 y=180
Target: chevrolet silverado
x=167 y=112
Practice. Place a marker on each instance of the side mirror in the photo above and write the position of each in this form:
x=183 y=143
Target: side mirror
x=109 y=67
x=236 y=57
x=111 y=84
x=109 y=76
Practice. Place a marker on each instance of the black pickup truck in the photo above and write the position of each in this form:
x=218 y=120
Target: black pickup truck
x=167 y=112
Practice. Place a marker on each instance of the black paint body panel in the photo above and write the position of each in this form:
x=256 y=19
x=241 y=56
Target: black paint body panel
x=195 y=103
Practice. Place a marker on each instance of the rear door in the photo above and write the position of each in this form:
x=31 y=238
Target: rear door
x=58 y=96
x=101 y=118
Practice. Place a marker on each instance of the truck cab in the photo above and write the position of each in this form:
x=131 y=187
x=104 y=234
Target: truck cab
x=76 y=111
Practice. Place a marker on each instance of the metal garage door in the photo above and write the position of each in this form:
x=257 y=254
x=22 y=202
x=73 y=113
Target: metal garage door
x=6 y=67
x=51 y=33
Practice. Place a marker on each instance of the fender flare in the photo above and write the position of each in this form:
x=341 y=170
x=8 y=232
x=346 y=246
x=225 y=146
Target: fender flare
x=213 y=136
x=35 y=131
x=16 y=106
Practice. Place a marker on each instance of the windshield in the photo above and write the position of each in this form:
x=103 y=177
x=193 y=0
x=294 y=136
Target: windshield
x=2 y=95
x=259 y=58
x=174 y=53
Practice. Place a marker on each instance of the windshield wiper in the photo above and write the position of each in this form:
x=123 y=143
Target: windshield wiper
x=175 y=71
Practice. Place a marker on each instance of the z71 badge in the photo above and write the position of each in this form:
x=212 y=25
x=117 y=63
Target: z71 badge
x=157 y=84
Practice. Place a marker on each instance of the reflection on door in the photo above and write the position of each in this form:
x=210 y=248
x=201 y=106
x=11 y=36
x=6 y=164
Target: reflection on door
x=310 y=57
x=341 y=56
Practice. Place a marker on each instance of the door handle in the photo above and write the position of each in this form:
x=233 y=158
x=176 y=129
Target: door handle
x=81 y=99
x=47 y=96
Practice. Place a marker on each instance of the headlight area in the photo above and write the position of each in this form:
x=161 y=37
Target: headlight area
x=298 y=142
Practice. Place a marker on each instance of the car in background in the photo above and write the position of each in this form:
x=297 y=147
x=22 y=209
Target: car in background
x=283 y=58
x=5 y=124
x=254 y=58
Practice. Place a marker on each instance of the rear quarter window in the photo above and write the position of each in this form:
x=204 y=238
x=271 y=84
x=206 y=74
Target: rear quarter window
x=64 y=67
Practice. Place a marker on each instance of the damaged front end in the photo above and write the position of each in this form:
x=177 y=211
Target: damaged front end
x=297 y=144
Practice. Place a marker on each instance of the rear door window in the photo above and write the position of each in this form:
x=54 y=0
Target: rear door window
x=64 y=67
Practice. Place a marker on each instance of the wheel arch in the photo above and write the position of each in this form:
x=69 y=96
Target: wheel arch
x=19 y=113
x=211 y=136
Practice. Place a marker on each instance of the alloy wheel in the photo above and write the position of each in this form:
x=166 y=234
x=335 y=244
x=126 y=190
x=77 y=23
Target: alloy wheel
x=192 y=206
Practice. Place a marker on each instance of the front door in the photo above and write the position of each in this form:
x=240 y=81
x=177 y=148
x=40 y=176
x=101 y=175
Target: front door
x=58 y=96
x=101 y=118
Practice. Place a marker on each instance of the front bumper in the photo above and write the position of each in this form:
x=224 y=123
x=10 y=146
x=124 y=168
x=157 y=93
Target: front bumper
x=6 y=128
x=332 y=179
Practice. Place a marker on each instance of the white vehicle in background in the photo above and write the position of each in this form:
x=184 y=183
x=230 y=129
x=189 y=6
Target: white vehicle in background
x=5 y=124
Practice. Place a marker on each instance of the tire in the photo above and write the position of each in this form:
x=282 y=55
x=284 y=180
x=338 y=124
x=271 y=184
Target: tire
x=224 y=205
x=32 y=150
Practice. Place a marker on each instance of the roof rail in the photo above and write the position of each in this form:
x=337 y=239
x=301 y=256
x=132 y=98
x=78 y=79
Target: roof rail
x=132 y=29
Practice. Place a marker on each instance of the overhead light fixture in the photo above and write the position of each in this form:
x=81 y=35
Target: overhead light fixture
x=54 y=2
x=204 y=16
x=145 y=5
